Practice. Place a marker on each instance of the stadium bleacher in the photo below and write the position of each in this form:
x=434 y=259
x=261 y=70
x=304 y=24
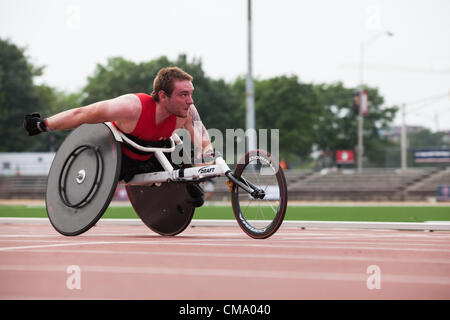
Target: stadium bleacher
x=369 y=185
x=23 y=187
x=427 y=187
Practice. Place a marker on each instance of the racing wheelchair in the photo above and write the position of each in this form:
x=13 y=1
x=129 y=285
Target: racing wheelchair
x=85 y=173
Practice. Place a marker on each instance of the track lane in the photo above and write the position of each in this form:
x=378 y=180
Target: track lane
x=131 y=262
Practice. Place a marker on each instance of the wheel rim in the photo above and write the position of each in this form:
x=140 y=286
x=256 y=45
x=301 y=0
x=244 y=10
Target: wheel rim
x=260 y=216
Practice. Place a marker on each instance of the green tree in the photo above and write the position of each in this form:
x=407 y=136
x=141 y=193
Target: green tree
x=216 y=101
x=118 y=77
x=54 y=101
x=286 y=104
x=337 y=127
x=17 y=97
x=213 y=98
x=427 y=139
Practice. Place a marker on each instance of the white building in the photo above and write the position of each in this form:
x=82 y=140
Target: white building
x=25 y=163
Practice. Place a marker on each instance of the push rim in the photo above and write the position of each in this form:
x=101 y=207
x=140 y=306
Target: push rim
x=64 y=185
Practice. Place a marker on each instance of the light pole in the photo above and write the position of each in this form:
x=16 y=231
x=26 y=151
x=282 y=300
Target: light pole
x=363 y=45
x=249 y=89
x=403 y=141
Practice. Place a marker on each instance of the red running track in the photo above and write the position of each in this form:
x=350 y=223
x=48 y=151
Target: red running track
x=132 y=262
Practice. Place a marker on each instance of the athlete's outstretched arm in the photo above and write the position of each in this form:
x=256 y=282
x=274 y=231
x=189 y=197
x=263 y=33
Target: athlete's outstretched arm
x=121 y=109
x=125 y=110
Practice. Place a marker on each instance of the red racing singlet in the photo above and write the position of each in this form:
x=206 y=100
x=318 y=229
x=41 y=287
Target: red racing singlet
x=146 y=128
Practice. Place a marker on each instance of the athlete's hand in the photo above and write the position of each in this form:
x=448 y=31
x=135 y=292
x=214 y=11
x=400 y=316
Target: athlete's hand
x=205 y=159
x=34 y=124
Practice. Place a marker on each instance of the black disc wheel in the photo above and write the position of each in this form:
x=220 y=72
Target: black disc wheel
x=82 y=179
x=259 y=215
x=163 y=208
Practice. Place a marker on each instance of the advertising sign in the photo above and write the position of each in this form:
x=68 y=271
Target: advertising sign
x=345 y=156
x=430 y=156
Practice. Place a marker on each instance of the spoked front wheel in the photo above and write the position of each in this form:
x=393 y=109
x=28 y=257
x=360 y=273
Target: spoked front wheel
x=259 y=214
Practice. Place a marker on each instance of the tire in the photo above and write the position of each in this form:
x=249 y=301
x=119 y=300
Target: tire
x=164 y=208
x=260 y=218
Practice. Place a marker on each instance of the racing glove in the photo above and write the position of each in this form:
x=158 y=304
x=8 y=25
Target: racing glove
x=34 y=124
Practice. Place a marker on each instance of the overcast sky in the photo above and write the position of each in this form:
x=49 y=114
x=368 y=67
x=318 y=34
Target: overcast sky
x=319 y=41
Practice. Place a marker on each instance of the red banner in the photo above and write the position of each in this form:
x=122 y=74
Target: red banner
x=345 y=156
x=364 y=103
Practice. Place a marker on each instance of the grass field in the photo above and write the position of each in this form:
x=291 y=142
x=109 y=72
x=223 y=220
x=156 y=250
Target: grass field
x=312 y=213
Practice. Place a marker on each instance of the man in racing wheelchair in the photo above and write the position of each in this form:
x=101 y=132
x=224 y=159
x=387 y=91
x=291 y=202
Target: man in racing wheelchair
x=148 y=120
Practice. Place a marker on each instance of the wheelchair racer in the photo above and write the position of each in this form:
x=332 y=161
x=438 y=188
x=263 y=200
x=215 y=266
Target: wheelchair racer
x=145 y=119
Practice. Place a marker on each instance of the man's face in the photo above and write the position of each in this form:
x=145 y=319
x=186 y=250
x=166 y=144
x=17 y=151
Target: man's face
x=180 y=101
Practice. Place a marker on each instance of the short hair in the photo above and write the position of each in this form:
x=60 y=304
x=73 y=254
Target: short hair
x=165 y=78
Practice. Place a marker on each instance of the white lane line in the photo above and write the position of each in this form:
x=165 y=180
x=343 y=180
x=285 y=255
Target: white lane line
x=426 y=260
x=443 y=244
x=210 y=232
x=428 y=225
x=228 y=239
x=247 y=243
x=421 y=236
x=369 y=242
x=29 y=240
x=53 y=245
x=191 y=238
x=237 y=273
x=320 y=246
x=28 y=236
